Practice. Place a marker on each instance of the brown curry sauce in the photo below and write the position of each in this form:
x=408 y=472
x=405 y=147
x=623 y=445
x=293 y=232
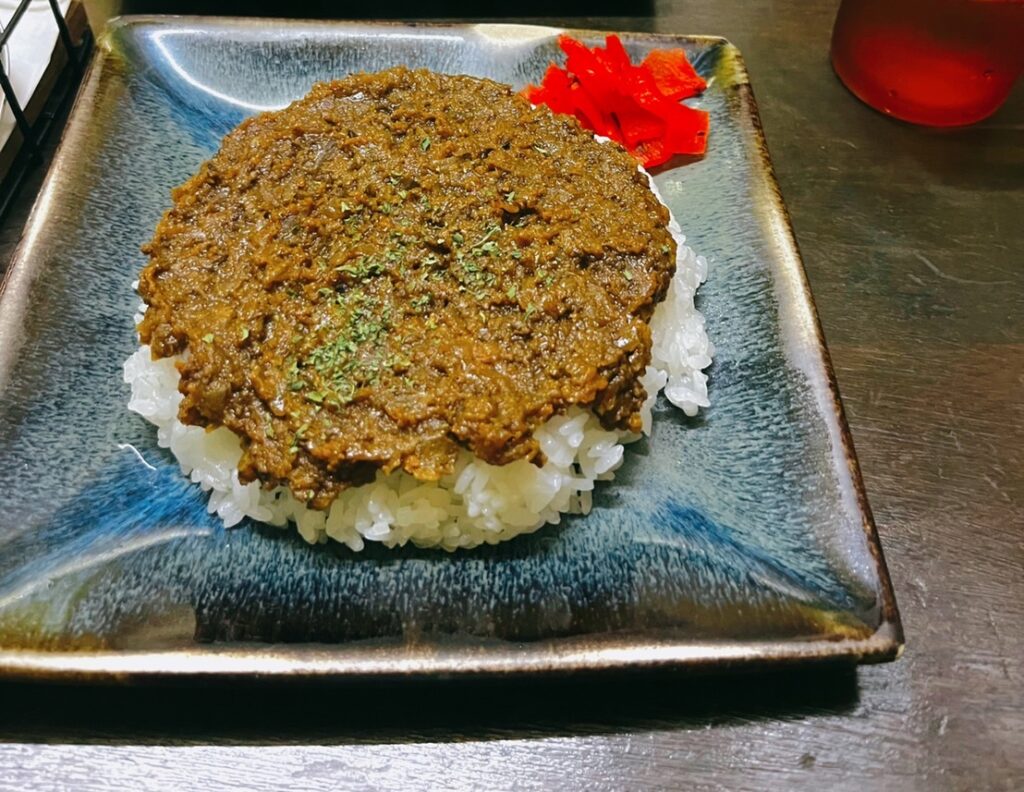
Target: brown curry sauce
x=398 y=265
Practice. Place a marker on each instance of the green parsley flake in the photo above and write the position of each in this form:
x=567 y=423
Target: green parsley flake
x=483 y=241
x=208 y=338
x=342 y=363
x=365 y=267
x=425 y=144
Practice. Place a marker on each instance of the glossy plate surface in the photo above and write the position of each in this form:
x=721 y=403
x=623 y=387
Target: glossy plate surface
x=741 y=536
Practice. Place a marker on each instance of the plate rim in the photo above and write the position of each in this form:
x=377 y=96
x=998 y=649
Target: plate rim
x=329 y=660
x=427 y=661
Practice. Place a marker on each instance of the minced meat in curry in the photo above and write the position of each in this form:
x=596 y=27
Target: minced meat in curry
x=399 y=265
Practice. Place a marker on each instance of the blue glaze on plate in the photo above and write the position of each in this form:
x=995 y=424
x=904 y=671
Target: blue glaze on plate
x=744 y=526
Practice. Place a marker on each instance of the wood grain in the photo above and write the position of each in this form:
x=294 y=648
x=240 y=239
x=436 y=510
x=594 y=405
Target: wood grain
x=913 y=240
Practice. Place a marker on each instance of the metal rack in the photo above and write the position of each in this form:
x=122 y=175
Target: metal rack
x=34 y=132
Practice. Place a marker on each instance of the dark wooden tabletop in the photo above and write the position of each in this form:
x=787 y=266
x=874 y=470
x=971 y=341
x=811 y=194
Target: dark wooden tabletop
x=914 y=243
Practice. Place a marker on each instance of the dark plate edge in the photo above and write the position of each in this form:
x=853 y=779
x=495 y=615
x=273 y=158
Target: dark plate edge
x=886 y=644
x=427 y=661
x=18 y=277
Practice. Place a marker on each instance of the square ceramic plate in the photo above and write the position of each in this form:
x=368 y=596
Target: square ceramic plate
x=740 y=537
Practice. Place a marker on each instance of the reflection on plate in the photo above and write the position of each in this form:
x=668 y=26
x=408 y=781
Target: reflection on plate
x=740 y=536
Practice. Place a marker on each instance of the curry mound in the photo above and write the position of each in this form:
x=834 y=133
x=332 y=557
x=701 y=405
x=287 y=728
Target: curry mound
x=400 y=266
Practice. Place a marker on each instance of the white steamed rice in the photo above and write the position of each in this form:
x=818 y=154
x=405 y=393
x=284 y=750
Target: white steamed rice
x=478 y=503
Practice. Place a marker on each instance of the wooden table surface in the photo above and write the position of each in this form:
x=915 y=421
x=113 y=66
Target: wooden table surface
x=914 y=243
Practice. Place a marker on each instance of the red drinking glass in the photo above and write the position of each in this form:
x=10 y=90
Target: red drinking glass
x=934 y=62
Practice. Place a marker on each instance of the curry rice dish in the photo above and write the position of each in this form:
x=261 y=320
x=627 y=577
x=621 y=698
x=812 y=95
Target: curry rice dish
x=401 y=284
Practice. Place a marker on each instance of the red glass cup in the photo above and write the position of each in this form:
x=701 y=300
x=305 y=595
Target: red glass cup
x=933 y=62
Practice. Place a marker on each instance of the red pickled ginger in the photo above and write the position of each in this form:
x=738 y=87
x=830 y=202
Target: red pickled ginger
x=637 y=106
